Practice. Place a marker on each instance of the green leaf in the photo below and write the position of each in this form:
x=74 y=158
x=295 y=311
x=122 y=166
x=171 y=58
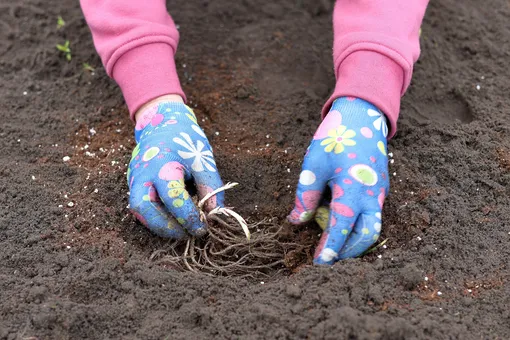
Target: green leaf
x=64 y=48
x=61 y=48
x=60 y=22
x=87 y=67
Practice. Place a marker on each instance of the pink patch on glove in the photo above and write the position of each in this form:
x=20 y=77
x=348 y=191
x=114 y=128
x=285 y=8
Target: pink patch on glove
x=156 y=119
x=171 y=171
x=381 y=198
x=366 y=132
x=146 y=117
x=332 y=120
x=332 y=221
x=342 y=209
x=321 y=245
x=311 y=198
x=139 y=218
x=337 y=191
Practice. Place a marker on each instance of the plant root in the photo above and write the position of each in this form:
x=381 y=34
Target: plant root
x=254 y=250
x=225 y=251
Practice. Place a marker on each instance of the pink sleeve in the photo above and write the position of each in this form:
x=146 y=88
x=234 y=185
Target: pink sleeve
x=375 y=46
x=136 y=41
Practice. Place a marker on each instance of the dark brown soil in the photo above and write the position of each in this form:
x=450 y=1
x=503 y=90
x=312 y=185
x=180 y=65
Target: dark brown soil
x=257 y=73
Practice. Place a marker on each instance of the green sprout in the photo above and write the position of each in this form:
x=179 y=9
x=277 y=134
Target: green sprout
x=60 y=22
x=87 y=67
x=374 y=248
x=65 y=49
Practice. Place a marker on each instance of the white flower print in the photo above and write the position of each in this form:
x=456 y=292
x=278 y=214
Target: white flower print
x=198 y=130
x=380 y=122
x=202 y=158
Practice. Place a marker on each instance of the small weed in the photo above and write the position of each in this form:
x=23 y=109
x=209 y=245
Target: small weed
x=60 y=22
x=374 y=248
x=65 y=49
x=87 y=67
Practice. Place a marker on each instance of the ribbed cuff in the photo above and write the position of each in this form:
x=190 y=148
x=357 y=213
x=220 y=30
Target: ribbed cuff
x=145 y=73
x=373 y=77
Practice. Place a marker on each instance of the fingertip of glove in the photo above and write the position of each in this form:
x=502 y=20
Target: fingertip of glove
x=200 y=232
x=293 y=217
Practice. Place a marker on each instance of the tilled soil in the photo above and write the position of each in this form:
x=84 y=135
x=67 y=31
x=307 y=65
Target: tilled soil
x=74 y=263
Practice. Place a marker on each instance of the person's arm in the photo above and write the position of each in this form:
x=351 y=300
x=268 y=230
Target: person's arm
x=136 y=41
x=375 y=46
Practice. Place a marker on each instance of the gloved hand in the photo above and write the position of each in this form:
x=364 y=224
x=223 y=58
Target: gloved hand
x=171 y=149
x=348 y=153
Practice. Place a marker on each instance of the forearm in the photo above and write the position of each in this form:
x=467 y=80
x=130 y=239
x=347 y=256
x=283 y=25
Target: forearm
x=136 y=41
x=374 y=49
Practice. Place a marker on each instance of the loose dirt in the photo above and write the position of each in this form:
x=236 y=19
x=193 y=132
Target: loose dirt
x=75 y=264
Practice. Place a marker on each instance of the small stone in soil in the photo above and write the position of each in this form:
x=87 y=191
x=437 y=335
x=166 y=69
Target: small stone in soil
x=66 y=158
x=70 y=204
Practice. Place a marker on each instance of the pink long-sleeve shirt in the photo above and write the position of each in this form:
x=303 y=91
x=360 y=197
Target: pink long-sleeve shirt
x=376 y=44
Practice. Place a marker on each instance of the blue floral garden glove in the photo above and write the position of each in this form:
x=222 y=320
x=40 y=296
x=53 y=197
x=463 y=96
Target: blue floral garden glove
x=348 y=154
x=171 y=149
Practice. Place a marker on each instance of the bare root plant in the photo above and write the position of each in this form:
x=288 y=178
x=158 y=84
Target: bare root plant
x=232 y=247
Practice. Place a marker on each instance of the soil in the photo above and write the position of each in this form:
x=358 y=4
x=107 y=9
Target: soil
x=74 y=264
